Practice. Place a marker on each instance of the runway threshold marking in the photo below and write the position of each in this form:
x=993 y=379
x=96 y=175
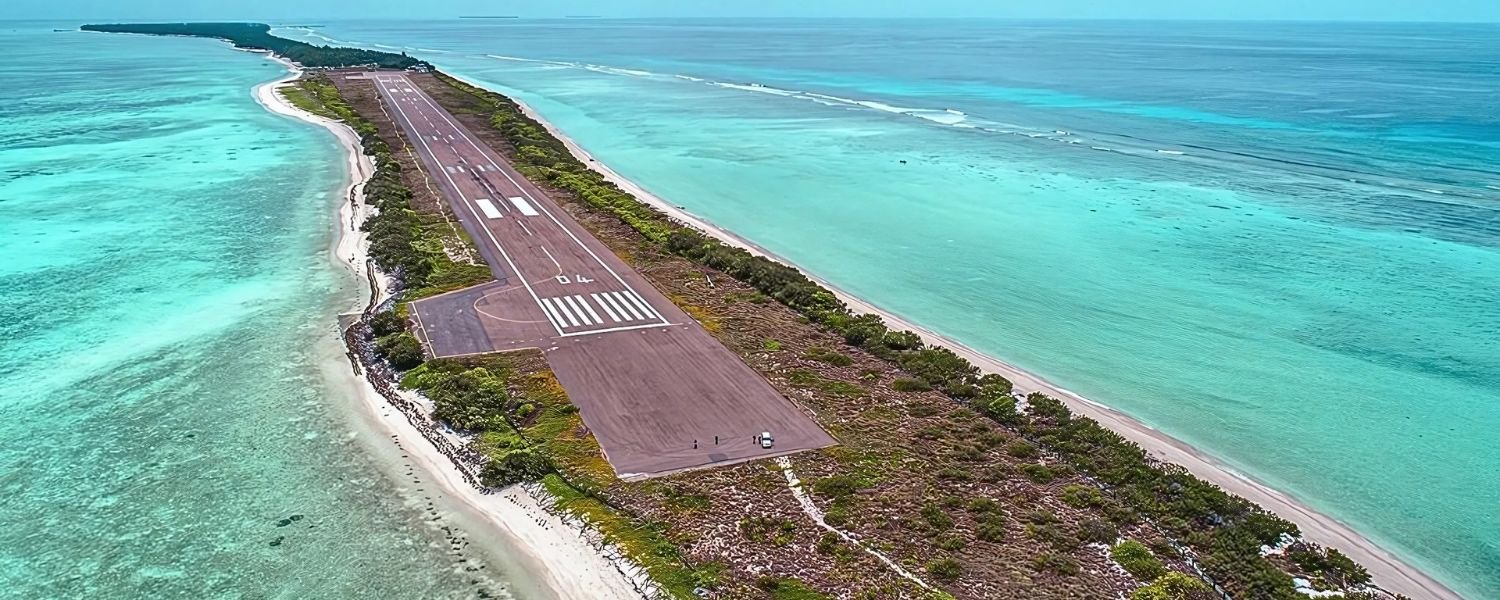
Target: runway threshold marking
x=534 y=298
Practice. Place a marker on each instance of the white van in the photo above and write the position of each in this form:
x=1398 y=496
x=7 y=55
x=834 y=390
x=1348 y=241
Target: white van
x=765 y=440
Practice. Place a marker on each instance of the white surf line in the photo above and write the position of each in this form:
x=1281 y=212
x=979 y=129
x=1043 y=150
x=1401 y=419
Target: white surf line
x=487 y=156
x=617 y=307
x=534 y=298
x=645 y=308
x=817 y=517
x=586 y=306
x=581 y=316
x=620 y=298
x=607 y=310
x=558 y=305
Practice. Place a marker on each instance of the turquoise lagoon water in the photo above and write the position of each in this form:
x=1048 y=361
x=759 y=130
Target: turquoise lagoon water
x=1278 y=242
x=168 y=303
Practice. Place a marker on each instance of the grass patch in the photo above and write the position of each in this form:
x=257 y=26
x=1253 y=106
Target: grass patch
x=828 y=356
x=787 y=588
x=807 y=379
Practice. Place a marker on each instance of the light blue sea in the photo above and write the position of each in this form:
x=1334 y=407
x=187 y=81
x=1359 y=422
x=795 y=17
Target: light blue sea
x=1278 y=242
x=168 y=300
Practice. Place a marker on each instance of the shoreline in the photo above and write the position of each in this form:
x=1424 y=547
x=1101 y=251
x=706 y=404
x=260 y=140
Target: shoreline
x=556 y=557
x=1387 y=570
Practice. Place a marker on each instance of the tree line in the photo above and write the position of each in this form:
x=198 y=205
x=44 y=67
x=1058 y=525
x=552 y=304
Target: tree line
x=258 y=36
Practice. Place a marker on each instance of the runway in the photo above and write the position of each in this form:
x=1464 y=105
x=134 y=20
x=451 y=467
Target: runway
x=648 y=380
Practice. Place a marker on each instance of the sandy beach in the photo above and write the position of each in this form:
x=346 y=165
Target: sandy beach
x=543 y=555
x=1389 y=571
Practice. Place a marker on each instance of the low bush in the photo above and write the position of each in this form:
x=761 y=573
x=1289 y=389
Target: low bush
x=1137 y=560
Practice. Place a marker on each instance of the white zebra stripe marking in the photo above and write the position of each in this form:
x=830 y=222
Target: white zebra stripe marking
x=552 y=314
x=585 y=304
x=562 y=308
x=611 y=301
x=581 y=316
x=646 y=308
x=607 y=310
x=626 y=303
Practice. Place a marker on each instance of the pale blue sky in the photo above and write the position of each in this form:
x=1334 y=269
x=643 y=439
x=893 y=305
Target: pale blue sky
x=1381 y=10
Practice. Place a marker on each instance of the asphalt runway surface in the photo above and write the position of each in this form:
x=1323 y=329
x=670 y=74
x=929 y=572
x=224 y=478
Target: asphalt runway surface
x=649 y=381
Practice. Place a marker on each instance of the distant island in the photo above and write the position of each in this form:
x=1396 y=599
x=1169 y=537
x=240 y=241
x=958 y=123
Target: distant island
x=257 y=36
x=488 y=17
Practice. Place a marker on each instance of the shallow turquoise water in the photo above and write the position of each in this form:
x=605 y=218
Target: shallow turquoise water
x=168 y=298
x=1307 y=291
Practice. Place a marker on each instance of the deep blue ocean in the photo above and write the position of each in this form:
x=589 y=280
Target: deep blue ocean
x=1278 y=242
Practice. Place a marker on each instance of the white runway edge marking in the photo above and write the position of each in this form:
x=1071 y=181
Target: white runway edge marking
x=488 y=156
x=607 y=310
x=523 y=206
x=552 y=318
x=617 y=297
x=586 y=306
x=489 y=208
x=576 y=309
x=646 y=308
x=563 y=309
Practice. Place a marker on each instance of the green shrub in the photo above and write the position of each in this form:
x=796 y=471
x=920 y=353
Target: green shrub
x=951 y=543
x=402 y=350
x=1038 y=473
x=1098 y=531
x=991 y=528
x=386 y=323
x=1081 y=496
x=907 y=384
x=837 y=486
x=945 y=570
x=1138 y=560
x=1021 y=449
x=515 y=466
x=1061 y=565
x=936 y=518
x=1173 y=586
x=983 y=505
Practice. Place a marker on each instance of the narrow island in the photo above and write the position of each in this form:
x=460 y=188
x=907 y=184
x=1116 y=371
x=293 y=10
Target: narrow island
x=945 y=482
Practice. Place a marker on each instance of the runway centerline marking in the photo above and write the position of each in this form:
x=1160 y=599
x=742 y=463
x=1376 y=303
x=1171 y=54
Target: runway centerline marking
x=534 y=298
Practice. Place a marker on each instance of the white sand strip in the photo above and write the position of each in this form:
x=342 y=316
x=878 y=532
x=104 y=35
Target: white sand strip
x=551 y=552
x=1388 y=570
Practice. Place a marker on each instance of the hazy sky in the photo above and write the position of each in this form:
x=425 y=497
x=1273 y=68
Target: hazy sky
x=1399 y=10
